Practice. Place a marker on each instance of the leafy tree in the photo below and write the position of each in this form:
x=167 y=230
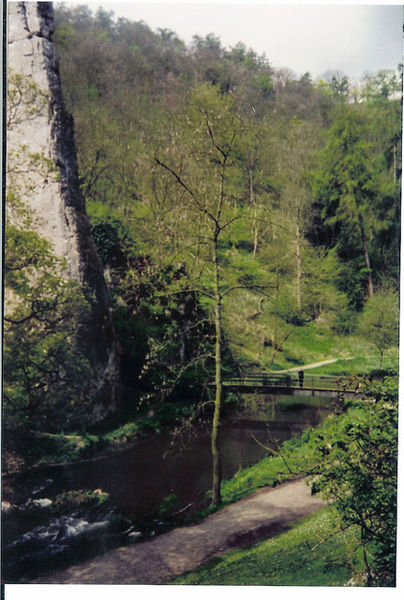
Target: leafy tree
x=25 y=100
x=206 y=175
x=172 y=332
x=296 y=144
x=379 y=320
x=46 y=378
x=386 y=84
x=344 y=184
x=338 y=84
x=383 y=104
x=160 y=325
x=322 y=299
x=358 y=472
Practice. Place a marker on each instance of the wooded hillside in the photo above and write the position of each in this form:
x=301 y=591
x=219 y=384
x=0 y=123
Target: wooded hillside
x=307 y=175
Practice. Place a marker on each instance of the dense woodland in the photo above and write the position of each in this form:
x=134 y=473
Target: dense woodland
x=238 y=211
x=198 y=157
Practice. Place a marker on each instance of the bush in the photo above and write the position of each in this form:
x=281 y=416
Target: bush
x=47 y=379
x=358 y=472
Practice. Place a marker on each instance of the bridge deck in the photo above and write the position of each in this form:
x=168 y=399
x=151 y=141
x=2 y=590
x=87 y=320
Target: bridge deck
x=292 y=384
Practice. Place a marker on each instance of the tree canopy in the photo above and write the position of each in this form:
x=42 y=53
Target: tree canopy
x=309 y=170
x=234 y=207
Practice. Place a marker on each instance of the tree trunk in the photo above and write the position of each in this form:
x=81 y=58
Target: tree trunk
x=366 y=256
x=276 y=319
x=381 y=359
x=216 y=474
x=298 y=269
x=253 y=203
x=395 y=163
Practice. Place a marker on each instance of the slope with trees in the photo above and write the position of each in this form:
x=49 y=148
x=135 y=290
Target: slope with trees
x=204 y=170
x=244 y=218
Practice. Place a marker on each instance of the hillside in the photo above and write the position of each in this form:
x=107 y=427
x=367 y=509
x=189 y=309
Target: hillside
x=307 y=174
x=222 y=217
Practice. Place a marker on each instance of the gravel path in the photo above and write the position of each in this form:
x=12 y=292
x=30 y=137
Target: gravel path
x=261 y=515
x=312 y=365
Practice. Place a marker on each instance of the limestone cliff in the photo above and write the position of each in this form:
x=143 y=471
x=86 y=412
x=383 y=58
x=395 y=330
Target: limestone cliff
x=54 y=198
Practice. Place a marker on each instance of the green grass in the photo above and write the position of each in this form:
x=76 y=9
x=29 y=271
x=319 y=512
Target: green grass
x=313 y=552
x=271 y=471
x=296 y=457
x=359 y=365
x=301 y=345
x=313 y=340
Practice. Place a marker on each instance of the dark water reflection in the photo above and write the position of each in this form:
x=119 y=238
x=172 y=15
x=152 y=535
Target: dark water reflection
x=147 y=484
x=140 y=479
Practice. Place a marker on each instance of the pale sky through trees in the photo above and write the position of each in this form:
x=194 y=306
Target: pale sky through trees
x=353 y=38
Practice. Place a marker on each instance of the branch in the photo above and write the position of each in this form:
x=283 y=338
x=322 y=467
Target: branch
x=20 y=321
x=231 y=221
x=341 y=529
x=273 y=452
x=213 y=138
x=187 y=189
x=247 y=287
x=182 y=509
x=190 y=363
x=196 y=290
x=177 y=177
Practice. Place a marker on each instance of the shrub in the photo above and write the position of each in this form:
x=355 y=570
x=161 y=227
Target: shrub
x=358 y=472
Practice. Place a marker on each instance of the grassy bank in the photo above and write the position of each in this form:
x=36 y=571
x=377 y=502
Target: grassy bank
x=295 y=457
x=304 y=344
x=313 y=552
x=352 y=456
x=359 y=364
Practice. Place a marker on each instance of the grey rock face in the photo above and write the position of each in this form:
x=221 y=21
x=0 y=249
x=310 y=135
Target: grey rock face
x=56 y=201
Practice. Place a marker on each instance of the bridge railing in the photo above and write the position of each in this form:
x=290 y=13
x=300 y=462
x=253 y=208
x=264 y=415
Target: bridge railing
x=331 y=382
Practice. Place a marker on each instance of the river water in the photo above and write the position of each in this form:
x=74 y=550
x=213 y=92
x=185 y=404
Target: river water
x=158 y=478
x=140 y=479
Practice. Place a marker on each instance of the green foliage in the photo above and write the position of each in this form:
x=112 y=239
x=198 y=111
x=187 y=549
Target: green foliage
x=46 y=378
x=157 y=317
x=173 y=329
x=379 y=320
x=68 y=448
x=123 y=435
x=111 y=239
x=354 y=190
x=313 y=552
x=383 y=86
x=75 y=499
x=25 y=100
x=308 y=177
x=132 y=334
x=168 y=505
x=357 y=470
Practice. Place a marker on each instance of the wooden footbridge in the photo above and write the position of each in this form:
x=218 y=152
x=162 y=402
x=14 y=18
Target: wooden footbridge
x=291 y=383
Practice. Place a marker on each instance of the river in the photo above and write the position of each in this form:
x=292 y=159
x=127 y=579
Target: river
x=155 y=479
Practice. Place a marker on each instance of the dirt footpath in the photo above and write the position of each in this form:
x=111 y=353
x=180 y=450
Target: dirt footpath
x=312 y=365
x=263 y=514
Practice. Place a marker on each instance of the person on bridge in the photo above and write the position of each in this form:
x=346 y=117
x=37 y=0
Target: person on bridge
x=301 y=377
